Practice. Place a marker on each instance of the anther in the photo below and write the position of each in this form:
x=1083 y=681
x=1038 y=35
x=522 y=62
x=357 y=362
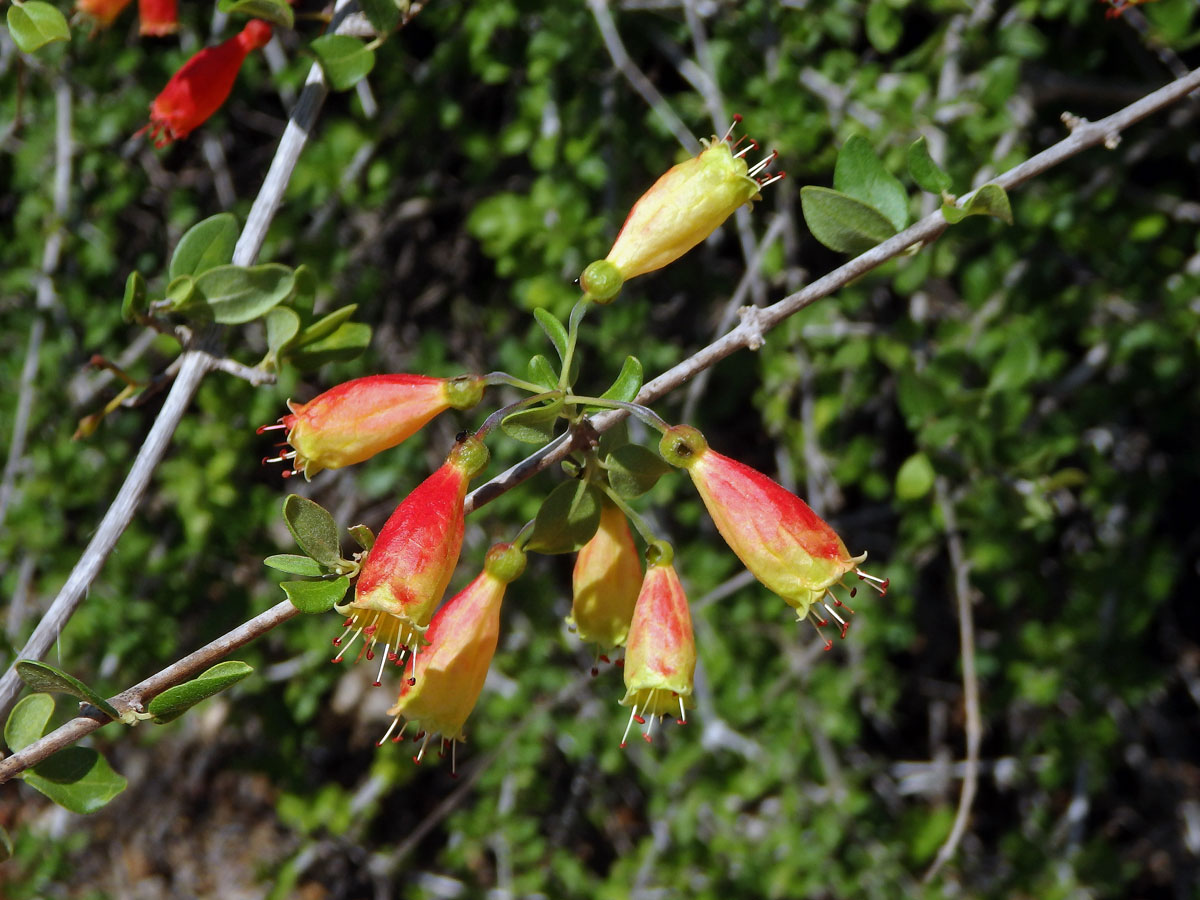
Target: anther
x=382 y=662
x=763 y=163
x=737 y=120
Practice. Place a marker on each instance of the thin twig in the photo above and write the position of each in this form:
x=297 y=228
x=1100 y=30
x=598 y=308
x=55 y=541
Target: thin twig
x=756 y=322
x=195 y=364
x=966 y=638
x=637 y=78
x=137 y=697
x=256 y=377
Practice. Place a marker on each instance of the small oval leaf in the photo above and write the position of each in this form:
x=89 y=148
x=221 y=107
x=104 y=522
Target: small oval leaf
x=28 y=720
x=842 y=223
x=555 y=330
x=294 y=564
x=567 y=519
x=135 y=301
x=78 y=779
x=927 y=174
x=384 y=15
x=316 y=596
x=915 y=478
x=277 y=12
x=325 y=326
x=237 y=294
x=44 y=677
x=313 y=528
x=628 y=382
x=363 y=536
x=345 y=60
x=283 y=324
x=858 y=173
x=348 y=342
x=541 y=372
x=633 y=470
x=175 y=701
x=207 y=244
x=532 y=426
x=34 y=24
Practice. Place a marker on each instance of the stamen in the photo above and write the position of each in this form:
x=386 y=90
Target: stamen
x=632 y=716
x=753 y=145
x=442 y=749
x=349 y=644
x=682 y=714
x=387 y=734
x=649 y=728
x=454 y=758
x=399 y=737
x=263 y=429
x=412 y=654
x=814 y=619
x=845 y=625
x=421 y=754
x=337 y=641
x=763 y=163
x=288 y=473
x=767 y=182
x=280 y=458
x=382 y=662
x=737 y=120
x=879 y=584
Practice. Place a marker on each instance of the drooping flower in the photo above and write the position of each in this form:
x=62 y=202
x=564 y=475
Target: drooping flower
x=157 y=18
x=680 y=210
x=450 y=671
x=786 y=546
x=660 y=656
x=101 y=13
x=199 y=88
x=606 y=582
x=409 y=567
x=352 y=422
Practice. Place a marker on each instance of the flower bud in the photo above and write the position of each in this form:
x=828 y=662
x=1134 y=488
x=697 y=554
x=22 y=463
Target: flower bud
x=786 y=546
x=157 y=17
x=199 y=88
x=410 y=565
x=680 y=210
x=449 y=673
x=660 y=657
x=101 y=13
x=606 y=582
x=352 y=422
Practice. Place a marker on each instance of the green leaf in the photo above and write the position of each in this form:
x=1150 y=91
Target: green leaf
x=555 y=330
x=927 y=174
x=348 y=342
x=237 y=294
x=174 y=702
x=316 y=596
x=306 y=291
x=384 y=15
x=34 y=24
x=915 y=478
x=44 y=677
x=884 y=27
x=532 y=426
x=567 y=519
x=207 y=244
x=628 y=383
x=345 y=60
x=363 y=536
x=180 y=292
x=134 y=303
x=313 y=528
x=633 y=470
x=613 y=439
x=277 y=12
x=325 y=326
x=859 y=174
x=283 y=324
x=541 y=372
x=842 y=223
x=295 y=564
x=78 y=779
x=28 y=720
x=989 y=200
x=6 y=846
x=1017 y=366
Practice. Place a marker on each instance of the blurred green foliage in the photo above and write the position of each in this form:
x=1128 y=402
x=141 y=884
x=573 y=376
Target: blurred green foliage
x=1045 y=375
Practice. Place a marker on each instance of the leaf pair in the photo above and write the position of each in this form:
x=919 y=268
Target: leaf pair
x=316 y=534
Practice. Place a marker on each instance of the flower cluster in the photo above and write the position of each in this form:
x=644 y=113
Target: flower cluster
x=443 y=653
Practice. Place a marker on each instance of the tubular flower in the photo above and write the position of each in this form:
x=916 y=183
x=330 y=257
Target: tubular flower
x=101 y=13
x=660 y=658
x=409 y=567
x=157 y=17
x=777 y=537
x=606 y=582
x=355 y=420
x=450 y=672
x=680 y=210
x=199 y=88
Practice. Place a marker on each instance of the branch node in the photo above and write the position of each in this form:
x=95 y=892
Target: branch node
x=1073 y=122
x=751 y=317
x=1112 y=140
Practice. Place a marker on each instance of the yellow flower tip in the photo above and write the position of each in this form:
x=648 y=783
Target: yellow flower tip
x=687 y=204
x=682 y=446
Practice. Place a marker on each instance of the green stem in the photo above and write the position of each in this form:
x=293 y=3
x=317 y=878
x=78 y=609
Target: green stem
x=491 y=379
x=572 y=338
x=639 y=524
x=494 y=419
x=645 y=413
x=524 y=535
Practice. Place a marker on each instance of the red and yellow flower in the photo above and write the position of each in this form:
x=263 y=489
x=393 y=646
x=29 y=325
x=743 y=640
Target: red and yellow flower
x=680 y=210
x=199 y=88
x=157 y=18
x=449 y=673
x=409 y=567
x=786 y=546
x=660 y=655
x=352 y=422
x=606 y=582
x=101 y=13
